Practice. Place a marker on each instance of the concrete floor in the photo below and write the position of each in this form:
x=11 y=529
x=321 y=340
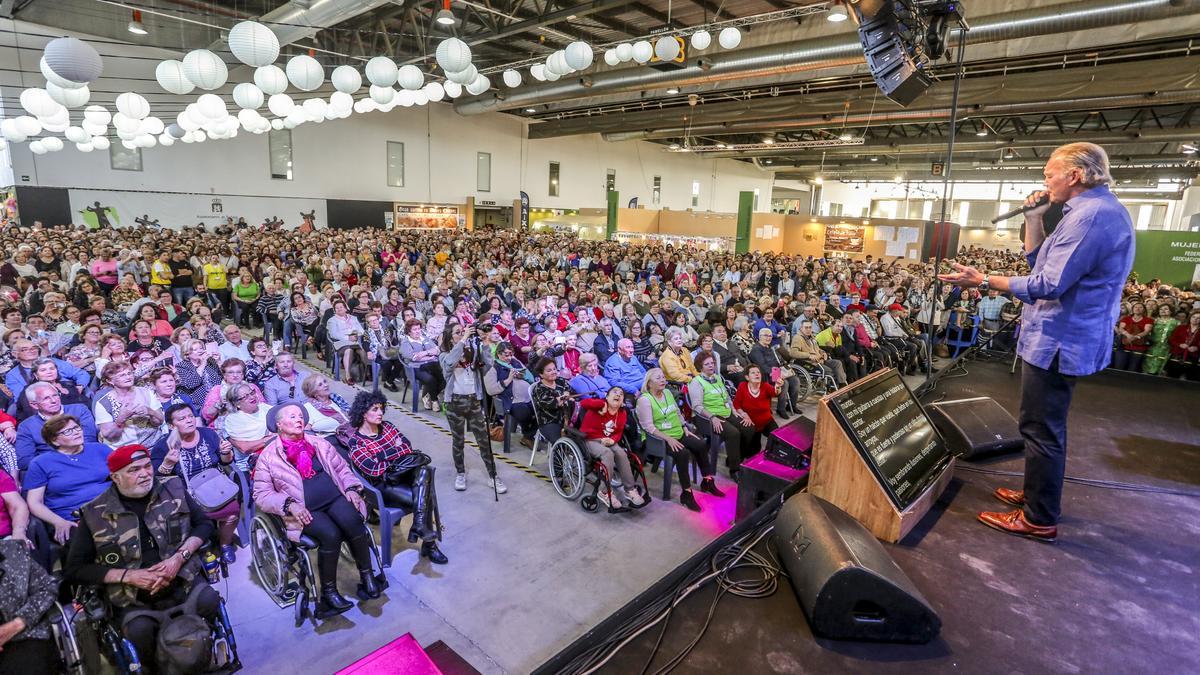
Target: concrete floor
x=1118 y=593
x=526 y=577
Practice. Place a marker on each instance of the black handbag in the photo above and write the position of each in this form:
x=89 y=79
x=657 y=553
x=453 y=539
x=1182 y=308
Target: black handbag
x=397 y=471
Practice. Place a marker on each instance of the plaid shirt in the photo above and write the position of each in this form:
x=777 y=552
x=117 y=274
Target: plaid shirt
x=372 y=454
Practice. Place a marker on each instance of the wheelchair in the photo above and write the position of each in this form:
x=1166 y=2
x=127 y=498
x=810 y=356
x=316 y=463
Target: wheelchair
x=284 y=569
x=573 y=471
x=813 y=380
x=86 y=634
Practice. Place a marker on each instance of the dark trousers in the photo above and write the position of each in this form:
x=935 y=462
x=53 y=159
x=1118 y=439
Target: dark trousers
x=522 y=413
x=756 y=443
x=389 y=369
x=29 y=656
x=1128 y=360
x=737 y=435
x=463 y=413
x=1045 y=400
x=339 y=522
x=433 y=382
x=695 y=449
x=143 y=631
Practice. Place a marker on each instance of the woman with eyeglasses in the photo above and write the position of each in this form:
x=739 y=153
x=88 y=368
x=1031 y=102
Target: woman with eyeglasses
x=46 y=370
x=126 y=414
x=233 y=372
x=245 y=425
x=198 y=372
x=59 y=482
x=84 y=354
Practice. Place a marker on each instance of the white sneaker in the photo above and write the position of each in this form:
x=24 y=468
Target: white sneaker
x=603 y=498
x=498 y=484
x=460 y=482
x=634 y=497
x=426 y=401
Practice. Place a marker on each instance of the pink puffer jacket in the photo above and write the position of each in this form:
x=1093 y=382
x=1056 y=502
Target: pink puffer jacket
x=275 y=479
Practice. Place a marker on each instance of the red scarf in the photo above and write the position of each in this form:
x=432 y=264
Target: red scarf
x=300 y=455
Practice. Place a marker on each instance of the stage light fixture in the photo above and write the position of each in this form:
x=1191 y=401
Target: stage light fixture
x=1188 y=149
x=874 y=158
x=819 y=181
x=135 y=25
x=768 y=140
x=672 y=91
x=445 y=17
x=531 y=110
x=981 y=133
x=845 y=136
x=836 y=13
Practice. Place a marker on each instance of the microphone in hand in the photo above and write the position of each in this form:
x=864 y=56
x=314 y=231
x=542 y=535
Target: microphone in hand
x=1038 y=201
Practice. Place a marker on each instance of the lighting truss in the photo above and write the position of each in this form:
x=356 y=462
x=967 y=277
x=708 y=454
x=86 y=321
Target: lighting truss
x=779 y=145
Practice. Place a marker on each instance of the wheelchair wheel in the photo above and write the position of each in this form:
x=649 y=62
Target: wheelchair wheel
x=269 y=557
x=806 y=384
x=74 y=653
x=590 y=503
x=567 y=468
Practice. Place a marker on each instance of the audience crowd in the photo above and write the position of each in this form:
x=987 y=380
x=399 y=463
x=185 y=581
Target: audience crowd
x=129 y=343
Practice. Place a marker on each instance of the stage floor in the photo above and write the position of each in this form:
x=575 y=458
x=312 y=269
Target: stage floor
x=1119 y=592
x=527 y=576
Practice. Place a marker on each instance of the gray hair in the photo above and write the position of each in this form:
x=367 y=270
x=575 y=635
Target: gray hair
x=586 y=358
x=1089 y=158
x=672 y=331
x=235 y=392
x=32 y=390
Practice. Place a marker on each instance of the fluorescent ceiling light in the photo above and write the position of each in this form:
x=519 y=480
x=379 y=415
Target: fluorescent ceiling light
x=836 y=13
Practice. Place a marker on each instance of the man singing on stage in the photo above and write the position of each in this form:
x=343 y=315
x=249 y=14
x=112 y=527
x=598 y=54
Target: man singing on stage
x=1073 y=293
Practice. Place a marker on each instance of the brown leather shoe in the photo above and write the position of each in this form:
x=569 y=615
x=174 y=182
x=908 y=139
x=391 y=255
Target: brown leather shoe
x=1013 y=497
x=1013 y=522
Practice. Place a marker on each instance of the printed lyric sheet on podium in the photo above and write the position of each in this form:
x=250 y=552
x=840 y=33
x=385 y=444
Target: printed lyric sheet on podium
x=894 y=435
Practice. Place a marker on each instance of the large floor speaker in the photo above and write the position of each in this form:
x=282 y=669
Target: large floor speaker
x=791 y=444
x=848 y=586
x=976 y=427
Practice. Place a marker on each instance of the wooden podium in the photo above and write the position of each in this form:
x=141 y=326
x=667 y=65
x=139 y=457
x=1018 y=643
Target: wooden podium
x=841 y=473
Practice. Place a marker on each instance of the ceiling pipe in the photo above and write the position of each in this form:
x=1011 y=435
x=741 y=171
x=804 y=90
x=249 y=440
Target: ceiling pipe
x=1022 y=175
x=840 y=50
x=909 y=116
x=971 y=163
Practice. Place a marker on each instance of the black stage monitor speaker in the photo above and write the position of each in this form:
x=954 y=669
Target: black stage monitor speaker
x=848 y=586
x=893 y=53
x=976 y=427
x=791 y=444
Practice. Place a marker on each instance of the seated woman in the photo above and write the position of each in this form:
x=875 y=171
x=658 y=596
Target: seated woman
x=385 y=457
x=603 y=425
x=14 y=515
x=25 y=607
x=59 y=482
x=261 y=366
x=660 y=417
x=643 y=349
x=244 y=423
x=326 y=410
x=233 y=372
x=753 y=399
x=302 y=321
x=382 y=350
x=552 y=400
x=159 y=328
x=509 y=382
x=589 y=382
x=302 y=478
x=198 y=372
x=46 y=370
x=714 y=414
x=84 y=354
x=420 y=353
x=126 y=414
x=190 y=449
x=690 y=336
x=676 y=361
x=774 y=365
x=165 y=387
x=345 y=332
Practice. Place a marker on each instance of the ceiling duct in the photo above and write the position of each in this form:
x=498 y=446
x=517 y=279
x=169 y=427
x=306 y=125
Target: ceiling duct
x=841 y=50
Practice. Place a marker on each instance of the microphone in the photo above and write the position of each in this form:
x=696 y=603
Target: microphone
x=1022 y=209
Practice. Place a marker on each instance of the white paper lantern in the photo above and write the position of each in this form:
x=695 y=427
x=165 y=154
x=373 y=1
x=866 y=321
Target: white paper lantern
x=271 y=80
x=280 y=105
x=453 y=89
x=93 y=129
x=165 y=140
x=144 y=141
x=59 y=114
x=381 y=71
x=434 y=91
x=248 y=118
x=152 y=126
x=552 y=76
x=538 y=71
x=346 y=79
x=642 y=51
x=189 y=138
x=465 y=76
x=557 y=63
x=53 y=143
x=175 y=131
x=420 y=97
x=205 y=69
x=126 y=123
x=305 y=73
x=341 y=101
x=579 y=55
x=248 y=96
x=127 y=135
x=71 y=98
x=667 y=48
x=73 y=60
x=624 y=52
x=37 y=148
x=404 y=98
x=133 y=105
x=28 y=126
x=382 y=95
x=315 y=107
x=410 y=77
x=199 y=136
x=97 y=114
x=37 y=102
x=101 y=142
x=77 y=135
x=729 y=38
x=52 y=77
x=85 y=147
x=453 y=55
x=10 y=131
x=55 y=126
x=211 y=106
x=276 y=124
x=480 y=85
x=360 y=106
x=701 y=39
x=253 y=44
x=511 y=78
x=187 y=122
x=171 y=77
x=611 y=58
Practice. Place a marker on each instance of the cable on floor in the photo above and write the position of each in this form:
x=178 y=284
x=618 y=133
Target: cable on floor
x=1091 y=482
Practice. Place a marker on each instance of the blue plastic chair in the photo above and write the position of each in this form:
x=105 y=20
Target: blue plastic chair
x=414 y=384
x=960 y=339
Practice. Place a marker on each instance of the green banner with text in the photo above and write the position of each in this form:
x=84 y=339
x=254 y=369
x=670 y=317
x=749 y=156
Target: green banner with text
x=1171 y=256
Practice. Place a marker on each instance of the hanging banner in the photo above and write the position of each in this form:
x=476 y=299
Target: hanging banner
x=427 y=216
x=115 y=208
x=524 y=210
x=1168 y=255
x=844 y=238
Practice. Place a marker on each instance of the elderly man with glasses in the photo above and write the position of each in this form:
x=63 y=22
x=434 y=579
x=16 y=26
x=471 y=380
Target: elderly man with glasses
x=287 y=383
x=46 y=403
x=27 y=354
